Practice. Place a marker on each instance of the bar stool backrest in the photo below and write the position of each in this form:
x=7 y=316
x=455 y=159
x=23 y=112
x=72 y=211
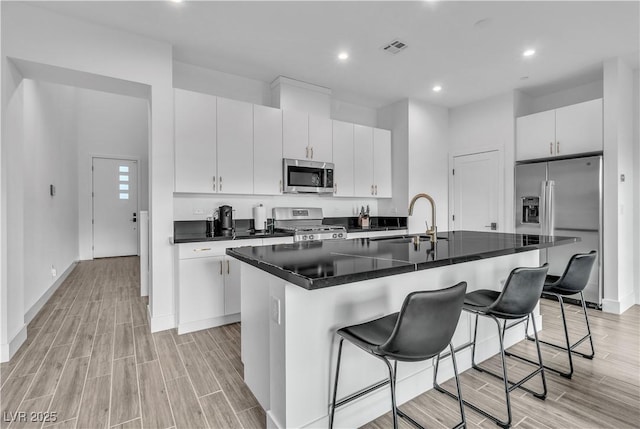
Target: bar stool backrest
x=576 y=275
x=520 y=294
x=426 y=323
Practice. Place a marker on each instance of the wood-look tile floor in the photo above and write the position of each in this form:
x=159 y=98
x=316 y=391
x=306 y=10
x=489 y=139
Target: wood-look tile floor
x=90 y=357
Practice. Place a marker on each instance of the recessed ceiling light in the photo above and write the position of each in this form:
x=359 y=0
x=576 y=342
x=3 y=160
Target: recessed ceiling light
x=176 y=1
x=437 y=88
x=343 y=56
x=528 y=53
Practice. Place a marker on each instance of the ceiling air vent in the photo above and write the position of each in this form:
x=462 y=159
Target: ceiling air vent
x=395 y=47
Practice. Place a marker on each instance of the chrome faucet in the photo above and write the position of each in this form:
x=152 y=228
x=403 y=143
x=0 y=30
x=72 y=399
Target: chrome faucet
x=433 y=231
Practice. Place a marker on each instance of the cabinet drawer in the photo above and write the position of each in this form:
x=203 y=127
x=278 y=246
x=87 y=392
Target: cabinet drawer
x=205 y=249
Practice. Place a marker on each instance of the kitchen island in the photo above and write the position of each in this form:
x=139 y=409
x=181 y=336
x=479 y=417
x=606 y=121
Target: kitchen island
x=295 y=296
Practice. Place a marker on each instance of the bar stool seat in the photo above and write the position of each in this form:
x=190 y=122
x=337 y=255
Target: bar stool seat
x=421 y=330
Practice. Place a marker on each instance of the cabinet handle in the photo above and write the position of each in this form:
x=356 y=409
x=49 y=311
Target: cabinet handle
x=307 y=156
x=376 y=189
x=371 y=189
x=335 y=188
x=280 y=185
x=311 y=152
x=214 y=183
x=220 y=182
x=551 y=148
x=227 y=266
x=558 y=147
x=204 y=249
x=220 y=267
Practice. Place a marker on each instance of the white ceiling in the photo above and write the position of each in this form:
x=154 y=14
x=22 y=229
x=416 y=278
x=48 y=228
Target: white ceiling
x=473 y=49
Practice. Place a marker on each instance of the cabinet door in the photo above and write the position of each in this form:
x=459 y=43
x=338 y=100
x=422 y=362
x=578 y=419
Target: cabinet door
x=295 y=134
x=320 y=139
x=363 y=160
x=231 y=286
x=382 y=163
x=267 y=150
x=235 y=147
x=343 y=159
x=535 y=136
x=195 y=142
x=579 y=128
x=201 y=289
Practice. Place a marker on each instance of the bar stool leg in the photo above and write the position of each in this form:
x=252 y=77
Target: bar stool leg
x=544 y=380
x=473 y=346
x=335 y=386
x=586 y=318
x=392 y=383
x=504 y=373
x=463 y=423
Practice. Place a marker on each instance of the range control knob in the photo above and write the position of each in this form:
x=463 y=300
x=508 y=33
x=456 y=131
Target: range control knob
x=304 y=237
x=340 y=235
x=311 y=237
x=335 y=236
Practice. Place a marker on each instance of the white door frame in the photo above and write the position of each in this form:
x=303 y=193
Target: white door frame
x=126 y=158
x=501 y=196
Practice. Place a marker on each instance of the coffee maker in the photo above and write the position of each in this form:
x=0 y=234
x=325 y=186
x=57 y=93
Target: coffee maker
x=224 y=222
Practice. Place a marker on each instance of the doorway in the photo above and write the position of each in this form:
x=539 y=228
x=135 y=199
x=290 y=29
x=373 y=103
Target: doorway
x=476 y=190
x=115 y=207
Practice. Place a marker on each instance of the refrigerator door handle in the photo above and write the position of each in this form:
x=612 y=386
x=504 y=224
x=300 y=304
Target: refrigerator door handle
x=543 y=208
x=550 y=212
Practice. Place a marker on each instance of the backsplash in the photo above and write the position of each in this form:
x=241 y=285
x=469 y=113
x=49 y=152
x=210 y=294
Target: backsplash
x=198 y=207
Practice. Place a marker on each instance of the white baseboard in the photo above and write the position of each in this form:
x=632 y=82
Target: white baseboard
x=31 y=313
x=199 y=325
x=8 y=350
x=618 y=306
x=160 y=323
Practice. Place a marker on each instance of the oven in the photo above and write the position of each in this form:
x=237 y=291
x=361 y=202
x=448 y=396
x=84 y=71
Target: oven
x=301 y=176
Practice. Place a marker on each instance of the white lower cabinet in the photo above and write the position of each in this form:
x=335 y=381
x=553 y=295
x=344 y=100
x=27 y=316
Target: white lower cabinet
x=208 y=287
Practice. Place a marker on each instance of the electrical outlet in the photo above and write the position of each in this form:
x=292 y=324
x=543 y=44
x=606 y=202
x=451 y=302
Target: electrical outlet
x=198 y=211
x=54 y=272
x=275 y=309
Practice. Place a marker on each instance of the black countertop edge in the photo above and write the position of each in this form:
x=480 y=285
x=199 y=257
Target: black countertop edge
x=376 y=223
x=378 y=228
x=241 y=236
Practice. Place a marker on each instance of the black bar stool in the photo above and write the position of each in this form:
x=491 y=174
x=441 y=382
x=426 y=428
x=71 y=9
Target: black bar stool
x=517 y=300
x=573 y=281
x=421 y=330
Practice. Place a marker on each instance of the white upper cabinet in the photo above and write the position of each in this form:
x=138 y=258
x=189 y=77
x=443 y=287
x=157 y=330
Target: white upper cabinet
x=381 y=163
x=235 y=147
x=363 y=161
x=267 y=150
x=295 y=135
x=564 y=131
x=343 y=174
x=536 y=135
x=195 y=142
x=579 y=128
x=320 y=139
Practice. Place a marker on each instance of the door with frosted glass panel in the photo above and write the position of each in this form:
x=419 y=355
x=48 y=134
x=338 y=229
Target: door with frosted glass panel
x=115 y=207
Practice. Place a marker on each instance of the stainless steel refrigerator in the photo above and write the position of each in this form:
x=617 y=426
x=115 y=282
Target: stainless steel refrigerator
x=563 y=197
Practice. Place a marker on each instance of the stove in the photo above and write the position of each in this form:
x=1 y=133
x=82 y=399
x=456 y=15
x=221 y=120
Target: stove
x=306 y=224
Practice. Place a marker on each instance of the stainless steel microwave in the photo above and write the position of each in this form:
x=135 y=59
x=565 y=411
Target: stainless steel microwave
x=301 y=176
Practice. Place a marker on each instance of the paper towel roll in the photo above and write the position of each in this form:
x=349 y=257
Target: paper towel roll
x=260 y=218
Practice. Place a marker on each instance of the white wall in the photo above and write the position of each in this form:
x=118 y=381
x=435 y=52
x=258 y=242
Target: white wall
x=636 y=188
x=569 y=96
x=484 y=126
x=619 y=258
x=108 y=125
x=349 y=112
x=50 y=222
x=33 y=34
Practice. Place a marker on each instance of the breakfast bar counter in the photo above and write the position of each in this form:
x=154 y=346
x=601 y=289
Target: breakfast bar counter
x=295 y=296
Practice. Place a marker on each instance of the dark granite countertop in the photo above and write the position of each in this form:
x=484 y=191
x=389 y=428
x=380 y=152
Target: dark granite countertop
x=320 y=264
x=193 y=231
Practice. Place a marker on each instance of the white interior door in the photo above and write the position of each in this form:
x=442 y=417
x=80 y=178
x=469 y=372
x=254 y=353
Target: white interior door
x=476 y=183
x=115 y=207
